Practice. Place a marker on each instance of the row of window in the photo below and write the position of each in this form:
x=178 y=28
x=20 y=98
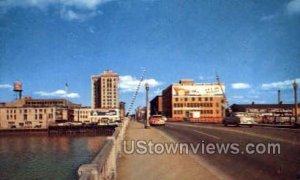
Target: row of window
x=201 y=111
x=44 y=103
x=27 y=110
x=25 y=117
x=83 y=112
x=83 y=116
x=195 y=99
x=195 y=105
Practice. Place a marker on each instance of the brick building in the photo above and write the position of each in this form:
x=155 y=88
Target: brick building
x=156 y=106
x=196 y=102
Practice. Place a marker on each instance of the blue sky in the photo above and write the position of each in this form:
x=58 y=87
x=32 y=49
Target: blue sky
x=254 y=46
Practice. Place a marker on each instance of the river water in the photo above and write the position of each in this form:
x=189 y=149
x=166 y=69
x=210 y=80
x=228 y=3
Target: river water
x=39 y=156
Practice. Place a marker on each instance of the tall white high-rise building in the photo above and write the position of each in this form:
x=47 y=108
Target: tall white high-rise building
x=105 y=90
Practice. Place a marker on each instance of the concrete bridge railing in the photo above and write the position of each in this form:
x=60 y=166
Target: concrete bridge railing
x=104 y=165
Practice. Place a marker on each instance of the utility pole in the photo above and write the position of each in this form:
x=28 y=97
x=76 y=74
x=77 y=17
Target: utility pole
x=295 y=85
x=147 y=125
x=279 y=97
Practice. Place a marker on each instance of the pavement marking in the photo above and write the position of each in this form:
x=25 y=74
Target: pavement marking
x=209 y=135
x=242 y=132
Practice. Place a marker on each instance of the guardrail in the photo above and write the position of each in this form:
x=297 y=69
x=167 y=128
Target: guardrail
x=104 y=165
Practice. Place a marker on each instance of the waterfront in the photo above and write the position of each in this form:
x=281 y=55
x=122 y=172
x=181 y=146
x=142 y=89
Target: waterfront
x=39 y=156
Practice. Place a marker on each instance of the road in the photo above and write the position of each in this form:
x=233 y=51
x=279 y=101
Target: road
x=243 y=165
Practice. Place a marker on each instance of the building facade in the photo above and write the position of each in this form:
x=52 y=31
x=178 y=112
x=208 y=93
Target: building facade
x=268 y=113
x=105 y=90
x=35 y=113
x=82 y=114
x=156 y=106
x=196 y=102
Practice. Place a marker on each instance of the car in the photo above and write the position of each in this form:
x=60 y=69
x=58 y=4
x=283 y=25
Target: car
x=157 y=120
x=245 y=120
x=231 y=120
x=239 y=120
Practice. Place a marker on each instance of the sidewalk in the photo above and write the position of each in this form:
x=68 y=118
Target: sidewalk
x=164 y=166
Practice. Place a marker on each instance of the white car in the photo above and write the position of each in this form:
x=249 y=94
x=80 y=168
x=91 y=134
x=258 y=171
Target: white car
x=157 y=120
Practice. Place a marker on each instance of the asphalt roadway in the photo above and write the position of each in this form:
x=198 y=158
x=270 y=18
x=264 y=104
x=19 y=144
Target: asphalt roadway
x=243 y=164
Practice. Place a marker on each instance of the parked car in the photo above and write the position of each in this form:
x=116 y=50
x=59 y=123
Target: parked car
x=157 y=120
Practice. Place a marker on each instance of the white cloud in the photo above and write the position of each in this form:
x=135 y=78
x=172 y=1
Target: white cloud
x=129 y=83
x=238 y=97
x=71 y=15
x=287 y=84
x=240 y=86
x=69 y=9
x=201 y=77
x=267 y=18
x=157 y=92
x=5 y=86
x=293 y=7
x=82 y=4
x=206 y=77
x=91 y=30
x=58 y=93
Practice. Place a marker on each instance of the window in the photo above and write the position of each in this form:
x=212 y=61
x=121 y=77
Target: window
x=50 y=116
x=40 y=116
x=25 y=116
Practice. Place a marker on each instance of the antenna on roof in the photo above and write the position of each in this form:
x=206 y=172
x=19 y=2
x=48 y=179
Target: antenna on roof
x=66 y=93
x=223 y=92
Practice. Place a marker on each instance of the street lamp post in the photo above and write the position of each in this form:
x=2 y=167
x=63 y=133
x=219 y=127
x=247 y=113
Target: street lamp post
x=147 y=125
x=295 y=85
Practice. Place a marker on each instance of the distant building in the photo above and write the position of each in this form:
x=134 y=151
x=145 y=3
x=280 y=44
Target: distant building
x=140 y=113
x=156 y=106
x=268 y=113
x=82 y=114
x=122 y=110
x=35 y=113
x=105 y=90
x=197 y=102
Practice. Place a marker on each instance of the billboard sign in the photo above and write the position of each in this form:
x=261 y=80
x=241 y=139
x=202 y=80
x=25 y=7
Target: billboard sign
x=98 y=112
x=198 y=90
